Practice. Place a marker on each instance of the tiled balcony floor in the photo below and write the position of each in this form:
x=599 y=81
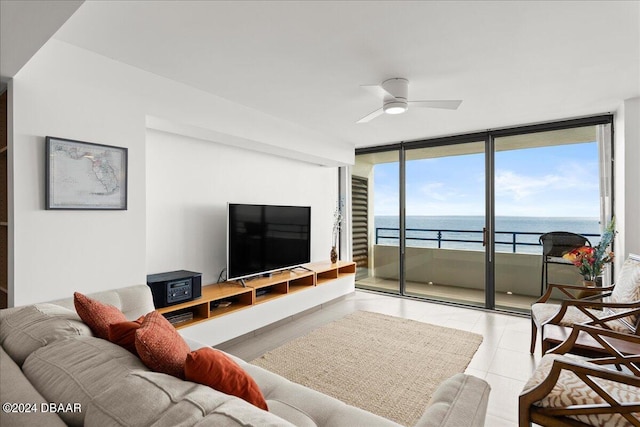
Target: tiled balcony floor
x=515 y=302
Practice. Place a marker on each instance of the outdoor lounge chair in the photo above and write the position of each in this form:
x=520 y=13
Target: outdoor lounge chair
x=614 y=307
x=571 y=391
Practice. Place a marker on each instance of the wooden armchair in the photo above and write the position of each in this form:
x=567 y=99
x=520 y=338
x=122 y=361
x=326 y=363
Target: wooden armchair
x=613 y=307
x=571 y=391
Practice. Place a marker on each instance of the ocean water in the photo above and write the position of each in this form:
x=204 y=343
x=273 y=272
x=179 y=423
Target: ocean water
x=423 y=231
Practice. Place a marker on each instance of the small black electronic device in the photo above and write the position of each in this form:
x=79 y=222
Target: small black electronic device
x=174 y=287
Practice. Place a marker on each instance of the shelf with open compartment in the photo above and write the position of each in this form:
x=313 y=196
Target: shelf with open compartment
x=223 y=298
x=216 y=300
x=327 y=271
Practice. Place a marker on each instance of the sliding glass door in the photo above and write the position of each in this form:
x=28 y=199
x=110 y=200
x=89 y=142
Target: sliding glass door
x=547 y=191
x=445 y=222
x=462 y=219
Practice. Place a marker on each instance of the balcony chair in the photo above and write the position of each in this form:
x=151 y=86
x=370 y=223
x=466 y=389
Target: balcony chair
x=554 y=245
x=615 y=307
x=572 y=391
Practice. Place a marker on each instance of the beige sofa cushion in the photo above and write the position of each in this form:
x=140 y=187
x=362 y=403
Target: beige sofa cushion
x=168 y=401
x=133 y=301
x=299 y=404
x=17 y=389
x=459 y=401
x=75 y=370
x=34 y=326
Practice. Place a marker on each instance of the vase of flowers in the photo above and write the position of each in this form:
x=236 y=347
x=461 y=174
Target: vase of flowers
x=337 y=222
x=592 y=260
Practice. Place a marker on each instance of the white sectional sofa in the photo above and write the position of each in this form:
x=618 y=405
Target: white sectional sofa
x=54 y=372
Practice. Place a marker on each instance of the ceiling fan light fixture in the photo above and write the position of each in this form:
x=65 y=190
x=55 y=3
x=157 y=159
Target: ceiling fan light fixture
x=395 y=107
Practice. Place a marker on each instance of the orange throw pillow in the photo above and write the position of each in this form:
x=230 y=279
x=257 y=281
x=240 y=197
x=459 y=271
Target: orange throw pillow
x=98 y=316
x=160 y=346
x=217 y=370
x=124 y=334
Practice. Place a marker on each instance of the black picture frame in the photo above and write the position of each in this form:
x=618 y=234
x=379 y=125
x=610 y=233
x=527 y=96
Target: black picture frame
x=85 y=176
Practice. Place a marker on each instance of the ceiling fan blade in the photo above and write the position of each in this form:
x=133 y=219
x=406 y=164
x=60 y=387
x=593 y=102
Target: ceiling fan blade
x=377 y=90
x=371 y=116
x=447 y=105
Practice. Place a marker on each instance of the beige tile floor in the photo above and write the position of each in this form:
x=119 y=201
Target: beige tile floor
x=503 y=358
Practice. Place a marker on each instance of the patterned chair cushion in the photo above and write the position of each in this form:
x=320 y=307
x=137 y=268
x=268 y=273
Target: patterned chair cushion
x=543 y=312
x=627 y=286
x=571 y=390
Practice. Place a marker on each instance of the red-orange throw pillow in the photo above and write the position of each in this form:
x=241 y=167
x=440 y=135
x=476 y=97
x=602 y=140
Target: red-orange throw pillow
x=98 y=316
x=160 y=346
x=217 y=370
x=124 y=334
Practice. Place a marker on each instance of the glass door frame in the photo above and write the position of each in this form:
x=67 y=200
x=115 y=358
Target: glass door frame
x=489 y=138
x=489 y=204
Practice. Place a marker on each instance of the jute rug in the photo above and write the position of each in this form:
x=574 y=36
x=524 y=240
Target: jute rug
x=382 y=364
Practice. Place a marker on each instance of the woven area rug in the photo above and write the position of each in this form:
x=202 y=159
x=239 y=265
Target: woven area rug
x=383 y=364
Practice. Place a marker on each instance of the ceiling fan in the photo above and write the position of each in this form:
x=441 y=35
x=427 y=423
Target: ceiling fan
x=394 y=93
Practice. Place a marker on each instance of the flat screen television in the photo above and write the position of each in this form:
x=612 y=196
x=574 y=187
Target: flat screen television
x=265 y=238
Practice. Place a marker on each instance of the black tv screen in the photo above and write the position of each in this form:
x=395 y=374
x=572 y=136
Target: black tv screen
x=265 y=238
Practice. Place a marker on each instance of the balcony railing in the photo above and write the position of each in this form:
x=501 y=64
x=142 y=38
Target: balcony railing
x=440 y=236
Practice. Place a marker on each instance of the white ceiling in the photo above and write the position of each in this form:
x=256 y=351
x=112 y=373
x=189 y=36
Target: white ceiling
x=303 y=61
x=25 y=26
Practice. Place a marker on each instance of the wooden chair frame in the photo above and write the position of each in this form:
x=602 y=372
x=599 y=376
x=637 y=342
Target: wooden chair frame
x=586 y=371
x=592 y=301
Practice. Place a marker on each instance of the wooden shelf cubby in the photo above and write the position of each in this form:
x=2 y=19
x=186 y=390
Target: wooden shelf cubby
x=215 y=297
x=326 y=271
x=204 y=308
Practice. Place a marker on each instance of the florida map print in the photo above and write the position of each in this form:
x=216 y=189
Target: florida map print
x=86 y=175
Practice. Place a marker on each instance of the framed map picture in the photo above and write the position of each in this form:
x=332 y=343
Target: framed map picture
x=82 y=175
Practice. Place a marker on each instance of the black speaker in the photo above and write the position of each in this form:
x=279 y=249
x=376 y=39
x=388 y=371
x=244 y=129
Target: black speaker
x=174 y=287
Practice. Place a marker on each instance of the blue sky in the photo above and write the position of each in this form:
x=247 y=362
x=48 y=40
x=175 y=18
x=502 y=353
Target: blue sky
x=557 y=181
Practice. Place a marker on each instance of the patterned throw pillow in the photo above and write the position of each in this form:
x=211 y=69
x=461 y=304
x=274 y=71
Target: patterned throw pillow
x=98 y=316
x=218 y=371
x=124 y=334
x=160 y=346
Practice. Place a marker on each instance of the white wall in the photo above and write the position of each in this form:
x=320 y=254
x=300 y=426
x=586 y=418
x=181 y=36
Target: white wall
x=71 y=93
x=627 y=179
x=189 y=183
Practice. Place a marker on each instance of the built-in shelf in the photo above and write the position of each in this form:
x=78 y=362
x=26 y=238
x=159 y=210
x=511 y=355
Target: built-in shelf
x=213 y=303
x=326 y=271
x=221 y=299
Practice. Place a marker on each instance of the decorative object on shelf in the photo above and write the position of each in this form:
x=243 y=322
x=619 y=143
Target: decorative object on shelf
x=337 y=223
x=592 y=260
x=334 y=255
x=83 y=175
x=177 y=319
x=593 y=283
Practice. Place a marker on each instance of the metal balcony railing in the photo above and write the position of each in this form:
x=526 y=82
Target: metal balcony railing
x=440 y=236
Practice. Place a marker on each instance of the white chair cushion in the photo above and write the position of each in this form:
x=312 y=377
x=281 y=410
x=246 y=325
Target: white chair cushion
x=542 y=312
